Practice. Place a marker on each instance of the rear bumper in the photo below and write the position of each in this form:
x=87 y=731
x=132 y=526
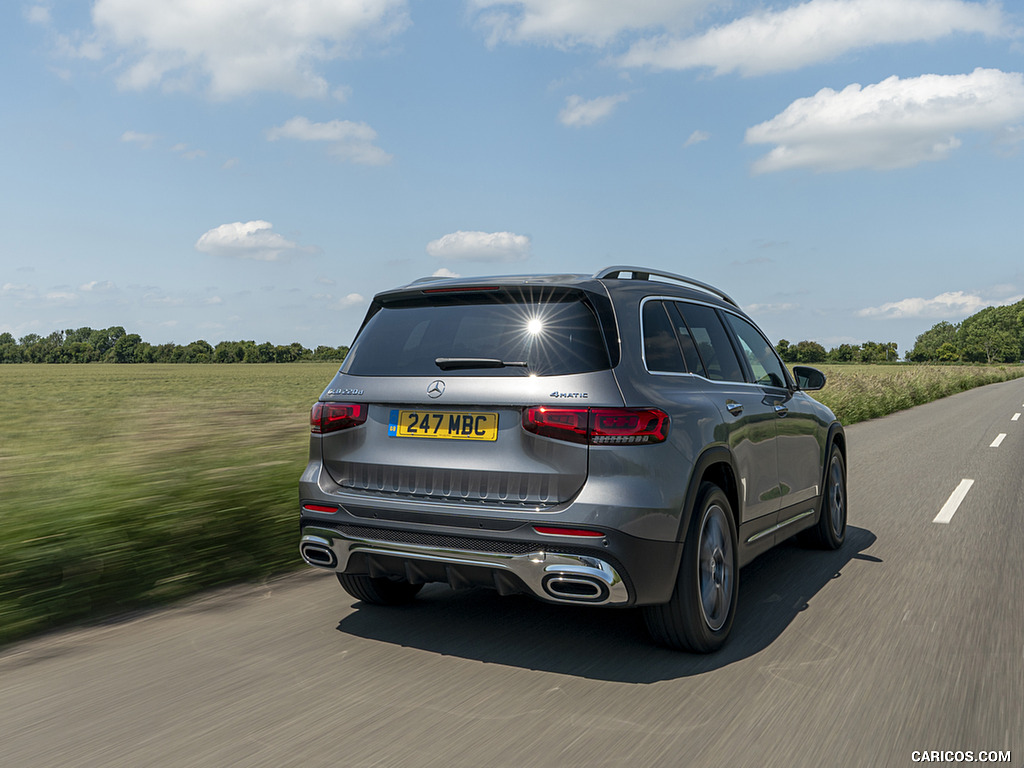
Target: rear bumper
x=621 y=571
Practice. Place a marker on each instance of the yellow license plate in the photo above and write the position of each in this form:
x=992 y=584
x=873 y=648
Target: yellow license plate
x=447 y=425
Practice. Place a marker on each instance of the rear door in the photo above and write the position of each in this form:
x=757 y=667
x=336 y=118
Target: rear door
x=748 y=417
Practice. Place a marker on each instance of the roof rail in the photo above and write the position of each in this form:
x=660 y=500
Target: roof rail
x=643 y=273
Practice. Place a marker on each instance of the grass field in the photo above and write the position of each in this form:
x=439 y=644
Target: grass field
x=124 y=486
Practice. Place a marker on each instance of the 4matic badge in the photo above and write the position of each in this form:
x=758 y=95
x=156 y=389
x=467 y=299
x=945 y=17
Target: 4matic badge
x=570 y=395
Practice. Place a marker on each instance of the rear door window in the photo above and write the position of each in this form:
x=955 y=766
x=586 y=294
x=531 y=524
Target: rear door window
x=712 y=342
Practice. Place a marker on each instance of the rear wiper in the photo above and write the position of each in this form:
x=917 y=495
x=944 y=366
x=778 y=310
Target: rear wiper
x=459 y=363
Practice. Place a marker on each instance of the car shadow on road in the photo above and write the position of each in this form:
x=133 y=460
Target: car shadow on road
x=604 y=644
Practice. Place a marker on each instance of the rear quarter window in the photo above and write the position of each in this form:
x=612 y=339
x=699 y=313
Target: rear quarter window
x=661 y=347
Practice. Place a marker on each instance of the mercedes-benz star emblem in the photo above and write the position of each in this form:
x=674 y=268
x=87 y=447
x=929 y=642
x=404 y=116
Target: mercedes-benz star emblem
x=435 y=388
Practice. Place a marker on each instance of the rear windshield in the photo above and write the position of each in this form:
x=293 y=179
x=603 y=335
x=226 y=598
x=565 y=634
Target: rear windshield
x=553 y=334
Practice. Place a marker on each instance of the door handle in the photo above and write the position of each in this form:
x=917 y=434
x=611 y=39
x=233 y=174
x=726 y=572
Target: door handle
x=733 y=407
x=781 y=410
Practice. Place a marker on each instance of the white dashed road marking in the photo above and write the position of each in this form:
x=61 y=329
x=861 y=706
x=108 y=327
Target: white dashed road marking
x=953 y=502
x=999 y=438
x=1016 y=416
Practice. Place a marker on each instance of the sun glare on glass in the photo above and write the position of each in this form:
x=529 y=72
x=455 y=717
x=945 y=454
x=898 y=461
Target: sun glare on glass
x=534 y=326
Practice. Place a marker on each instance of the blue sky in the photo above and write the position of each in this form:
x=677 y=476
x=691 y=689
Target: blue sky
x=848 y=170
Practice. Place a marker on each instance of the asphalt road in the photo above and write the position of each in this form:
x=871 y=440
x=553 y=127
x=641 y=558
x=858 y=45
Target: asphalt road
x=910 y=638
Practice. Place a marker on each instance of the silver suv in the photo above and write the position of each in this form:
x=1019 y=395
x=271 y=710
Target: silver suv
x=625 y=439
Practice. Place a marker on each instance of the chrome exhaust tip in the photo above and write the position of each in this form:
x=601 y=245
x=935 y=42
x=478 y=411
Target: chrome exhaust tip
x=575 y=587
x=316 y=551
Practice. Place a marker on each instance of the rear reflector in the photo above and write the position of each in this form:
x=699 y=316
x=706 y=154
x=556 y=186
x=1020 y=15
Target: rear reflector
x=331 y=417
x=598 y=426
x=319 y=508
x=550 y=531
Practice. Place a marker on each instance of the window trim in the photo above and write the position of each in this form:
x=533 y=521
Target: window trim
x=744 y=363
x=675 y=335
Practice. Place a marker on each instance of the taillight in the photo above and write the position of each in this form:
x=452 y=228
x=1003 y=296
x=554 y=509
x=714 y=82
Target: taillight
x=598 y=426
x=331 y=417
x=560 y=423
x=628 y=426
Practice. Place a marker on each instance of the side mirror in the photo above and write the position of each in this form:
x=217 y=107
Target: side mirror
x=808 y=379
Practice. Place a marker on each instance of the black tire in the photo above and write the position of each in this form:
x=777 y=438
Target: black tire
x=830 y=532
x=700 y=613
x=378 y=591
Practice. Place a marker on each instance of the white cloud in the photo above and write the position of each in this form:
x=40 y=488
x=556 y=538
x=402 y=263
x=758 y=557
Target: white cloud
x=144 y=140
x=570 y=22
x=38 y=14
x=765 y=309
x=953 y=305
x=97 y=286
x=346 y=140
x=186 y=153
x=352 y=300
x=481 y=246
x=1008 y=138
x=579 y=112
x=61 y=297
x=445 y=272
x=12 y=288
x=892 y=124
x=696 y=138
x=241 y=46
x=254 y=240
x=815 y=31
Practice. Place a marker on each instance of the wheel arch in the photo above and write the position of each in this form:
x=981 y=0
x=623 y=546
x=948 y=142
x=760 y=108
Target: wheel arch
x=714 y=465
x=836 y=437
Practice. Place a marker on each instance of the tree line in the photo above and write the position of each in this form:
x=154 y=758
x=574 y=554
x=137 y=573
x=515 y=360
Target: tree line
x=993 y=335
x=115 y=345
x=813 y=352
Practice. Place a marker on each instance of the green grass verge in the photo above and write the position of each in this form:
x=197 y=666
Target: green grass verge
x=128 y=486
x=860 y=392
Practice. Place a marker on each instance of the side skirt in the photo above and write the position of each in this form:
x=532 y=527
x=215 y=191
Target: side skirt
x=758 y=536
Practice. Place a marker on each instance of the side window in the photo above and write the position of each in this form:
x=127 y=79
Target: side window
x=686 y=342
x=661 y=350
x=759 y=353
x=712 y=342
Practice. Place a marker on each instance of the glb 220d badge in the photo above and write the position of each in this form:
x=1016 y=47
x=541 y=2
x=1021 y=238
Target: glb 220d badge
x=344 y=392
